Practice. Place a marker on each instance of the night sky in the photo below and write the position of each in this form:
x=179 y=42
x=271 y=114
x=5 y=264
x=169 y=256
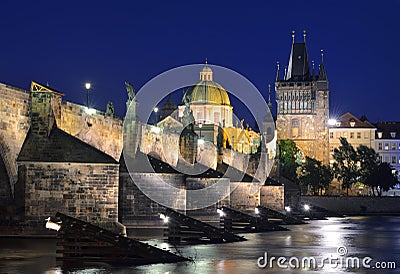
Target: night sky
x=66 y=43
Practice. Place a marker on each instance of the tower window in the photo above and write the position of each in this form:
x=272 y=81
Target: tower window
x=295 y=128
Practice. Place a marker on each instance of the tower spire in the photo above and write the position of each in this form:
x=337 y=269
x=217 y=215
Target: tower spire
x=298 y=67
x=304 y=35
x=322 y=72
x=277 y=78
x=269 y=97
x=322 y=56
x=313 y=69
x=293 y=32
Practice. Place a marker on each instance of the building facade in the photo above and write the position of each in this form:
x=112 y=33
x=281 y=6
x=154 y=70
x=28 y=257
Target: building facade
x=303 y=104
x=356 y=131
x=387 y=143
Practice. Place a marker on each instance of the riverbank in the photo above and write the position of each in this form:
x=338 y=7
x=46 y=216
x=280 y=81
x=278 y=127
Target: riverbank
x=356 y=205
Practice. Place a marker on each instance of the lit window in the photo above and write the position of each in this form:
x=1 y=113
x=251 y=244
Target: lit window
x=394 y=145
x=386 y=146
x=393 y=134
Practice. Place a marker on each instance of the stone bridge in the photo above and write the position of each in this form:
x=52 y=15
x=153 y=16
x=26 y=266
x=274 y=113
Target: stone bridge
x=97 y=129
x=102 y=131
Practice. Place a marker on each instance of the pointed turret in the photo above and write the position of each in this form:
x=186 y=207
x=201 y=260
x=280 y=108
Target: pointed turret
x=269 y=97
x=298 y=68
x=278 y=76
x=322 y=72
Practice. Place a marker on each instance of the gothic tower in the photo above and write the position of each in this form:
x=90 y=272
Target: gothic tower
x=303 y=104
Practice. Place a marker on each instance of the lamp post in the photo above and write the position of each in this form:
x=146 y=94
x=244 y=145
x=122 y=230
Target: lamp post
x=200 y=126
x=155 y=111
x=87 y=86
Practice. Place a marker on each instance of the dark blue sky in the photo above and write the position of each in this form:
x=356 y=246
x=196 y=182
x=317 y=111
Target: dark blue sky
x=66 y=43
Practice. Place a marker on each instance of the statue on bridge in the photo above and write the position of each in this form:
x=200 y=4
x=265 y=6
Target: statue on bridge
x=110 y=109
x=131 y=94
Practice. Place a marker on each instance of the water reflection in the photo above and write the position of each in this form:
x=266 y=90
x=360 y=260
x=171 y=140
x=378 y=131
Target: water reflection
x=376 y=237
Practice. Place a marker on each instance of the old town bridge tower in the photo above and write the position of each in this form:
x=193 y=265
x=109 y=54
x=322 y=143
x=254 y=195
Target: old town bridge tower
x=303 y=103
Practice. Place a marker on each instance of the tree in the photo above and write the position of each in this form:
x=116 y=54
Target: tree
x=288 y=153
x=382 y=178
x=315 y=175
x=346 y=166
x=368 y=161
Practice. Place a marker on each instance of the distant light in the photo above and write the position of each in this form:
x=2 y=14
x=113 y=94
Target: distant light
x=156 y=109
x=256 y=210
x=155 y=130
x=200 y=141
x=287 y=208
x=306 y=207
x=90 y=111
x=87 y=85
x=200 y=125
x=220 y=212
x=332 y=122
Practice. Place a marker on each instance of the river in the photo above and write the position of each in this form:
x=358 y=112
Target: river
x=335 y=245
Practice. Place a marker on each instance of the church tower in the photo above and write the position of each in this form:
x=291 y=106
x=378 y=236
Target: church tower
x=303 y=104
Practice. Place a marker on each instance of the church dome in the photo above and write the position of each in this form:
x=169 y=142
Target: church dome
x=206 y=91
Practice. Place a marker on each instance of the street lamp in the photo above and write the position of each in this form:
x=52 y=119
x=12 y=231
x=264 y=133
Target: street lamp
x=200 y=126
x=87 y=86
x=155 y=111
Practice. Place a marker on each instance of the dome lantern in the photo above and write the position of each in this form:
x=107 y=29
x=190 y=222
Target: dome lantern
x=206 y=73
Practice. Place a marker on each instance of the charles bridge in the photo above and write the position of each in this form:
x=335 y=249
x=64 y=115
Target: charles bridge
x=56 y=155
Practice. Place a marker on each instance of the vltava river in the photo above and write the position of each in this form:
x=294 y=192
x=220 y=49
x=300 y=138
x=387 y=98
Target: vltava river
x=335 y=245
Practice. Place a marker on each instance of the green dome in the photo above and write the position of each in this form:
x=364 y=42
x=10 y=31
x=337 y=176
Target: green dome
x=206 y=92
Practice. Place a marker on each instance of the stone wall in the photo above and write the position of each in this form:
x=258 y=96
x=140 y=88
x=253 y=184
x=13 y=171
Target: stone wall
x=354 y=205
x=14 y=125
x=244 y=196
x=138 y=209
x=98 y=129
x=273 y=197
x=85 y=191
